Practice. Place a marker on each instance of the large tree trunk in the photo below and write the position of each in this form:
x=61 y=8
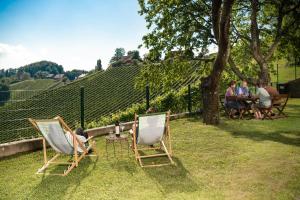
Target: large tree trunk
x=210 y=84
x=210 y=98
x=264 y=75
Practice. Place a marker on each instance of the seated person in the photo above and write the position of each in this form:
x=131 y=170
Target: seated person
x=264 y=100
x=243 y=90
x=80 y=135
x=230 y=92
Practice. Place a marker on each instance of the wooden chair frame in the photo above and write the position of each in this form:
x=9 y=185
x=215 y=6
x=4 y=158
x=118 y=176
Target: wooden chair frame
x=166 y=138
x=280 y=108
x=227 y=111
x=77 y=158
x=267 y=111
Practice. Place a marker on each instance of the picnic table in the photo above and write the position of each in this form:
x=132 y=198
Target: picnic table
x=246 y=101
x=278 y=102
x=252 y=99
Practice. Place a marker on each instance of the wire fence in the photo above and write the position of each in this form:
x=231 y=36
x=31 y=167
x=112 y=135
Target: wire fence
x=16 y=106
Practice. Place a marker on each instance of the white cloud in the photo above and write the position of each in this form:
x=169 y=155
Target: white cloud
x=75 y=56
x=15 y=55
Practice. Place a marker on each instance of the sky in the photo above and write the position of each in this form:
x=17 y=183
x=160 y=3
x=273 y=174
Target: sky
x=72 y=33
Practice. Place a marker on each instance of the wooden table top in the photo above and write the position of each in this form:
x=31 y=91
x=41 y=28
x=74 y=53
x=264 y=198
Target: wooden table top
x=242 y=98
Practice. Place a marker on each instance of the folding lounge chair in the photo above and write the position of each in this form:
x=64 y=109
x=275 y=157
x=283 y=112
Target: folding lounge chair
x=280 y=104
x=152 y=129
x=53 y=132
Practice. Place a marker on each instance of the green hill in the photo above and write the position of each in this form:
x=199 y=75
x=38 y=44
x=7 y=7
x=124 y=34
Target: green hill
x=26 y=89
x=105 y=93
x=285 y=72
x=37 y=84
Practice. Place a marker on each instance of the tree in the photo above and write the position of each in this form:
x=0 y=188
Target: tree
x=186 y=25
x=134 y=54
x=72 y=75
x=119 y=53
x=4 y=93
x=221 y=16
x=269 y=23
x=99 y=66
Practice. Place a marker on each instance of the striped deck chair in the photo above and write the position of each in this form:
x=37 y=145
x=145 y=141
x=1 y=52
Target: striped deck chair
x=152 y=129
x=53 y=131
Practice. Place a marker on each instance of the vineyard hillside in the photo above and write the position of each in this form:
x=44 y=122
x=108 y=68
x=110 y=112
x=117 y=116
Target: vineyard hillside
x=104 y=93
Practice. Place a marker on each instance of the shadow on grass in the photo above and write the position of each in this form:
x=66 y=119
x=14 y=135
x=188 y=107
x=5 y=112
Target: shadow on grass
x=128 y=166
x=172 y=178
x=275 y=136
x=56 y=187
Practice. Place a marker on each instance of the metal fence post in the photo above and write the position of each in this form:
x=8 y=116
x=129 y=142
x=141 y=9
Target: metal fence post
x=189 y=98
x=147 y=97
x=295 y=69
x=82 y=107
x=277 y=77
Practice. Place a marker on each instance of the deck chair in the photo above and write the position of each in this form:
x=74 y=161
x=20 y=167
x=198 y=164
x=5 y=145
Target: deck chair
x=280 y=104
x=152 y=129
x=53 y=132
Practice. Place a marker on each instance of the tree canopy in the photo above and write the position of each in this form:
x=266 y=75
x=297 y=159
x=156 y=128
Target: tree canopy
x=98 y=67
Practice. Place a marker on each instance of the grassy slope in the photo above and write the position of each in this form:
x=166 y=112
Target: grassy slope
x=38 y=84
x=105 y=93
x=240 y=159
x=26 y=89
x=286 y=73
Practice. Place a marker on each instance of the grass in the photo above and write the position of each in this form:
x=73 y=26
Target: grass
x=286 y=73
x=239 y=159
x=26 y=89
x=37 y=84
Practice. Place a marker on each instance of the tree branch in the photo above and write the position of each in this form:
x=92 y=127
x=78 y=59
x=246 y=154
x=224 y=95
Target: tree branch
x=279 y=31
x=237 y=72
x=255 y=44
x=216 y=11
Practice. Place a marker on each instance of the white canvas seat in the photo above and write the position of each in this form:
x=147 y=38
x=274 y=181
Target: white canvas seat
x=150 y=130
x=53 y=131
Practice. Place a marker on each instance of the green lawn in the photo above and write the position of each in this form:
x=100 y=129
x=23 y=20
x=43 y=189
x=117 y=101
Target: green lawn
x=37 y=84
x=240 y=159
x=286 y=73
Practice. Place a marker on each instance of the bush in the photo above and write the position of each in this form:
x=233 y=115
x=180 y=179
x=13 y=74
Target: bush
x=4 y=93
x=175 y=101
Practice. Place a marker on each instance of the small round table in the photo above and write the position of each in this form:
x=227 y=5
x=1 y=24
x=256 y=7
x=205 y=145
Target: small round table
x=111 y=139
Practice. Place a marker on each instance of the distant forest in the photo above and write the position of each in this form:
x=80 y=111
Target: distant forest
x=39 y=70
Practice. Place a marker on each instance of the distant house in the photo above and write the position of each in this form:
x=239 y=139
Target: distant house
x=82 y=75
x=50 y=76
x=58 y=77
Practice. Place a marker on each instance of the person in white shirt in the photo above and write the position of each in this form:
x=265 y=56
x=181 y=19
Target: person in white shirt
x=80 y=135
x=264 y=100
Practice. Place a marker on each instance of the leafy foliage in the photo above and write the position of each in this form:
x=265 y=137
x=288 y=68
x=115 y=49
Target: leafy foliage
x=99 y=65
x=4 y=93
x=161 y=76
x=119 y=53
x=73 y=74
x=176 y=25
x=43 y=66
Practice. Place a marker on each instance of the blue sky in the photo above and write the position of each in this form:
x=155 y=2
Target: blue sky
x=74 y=33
